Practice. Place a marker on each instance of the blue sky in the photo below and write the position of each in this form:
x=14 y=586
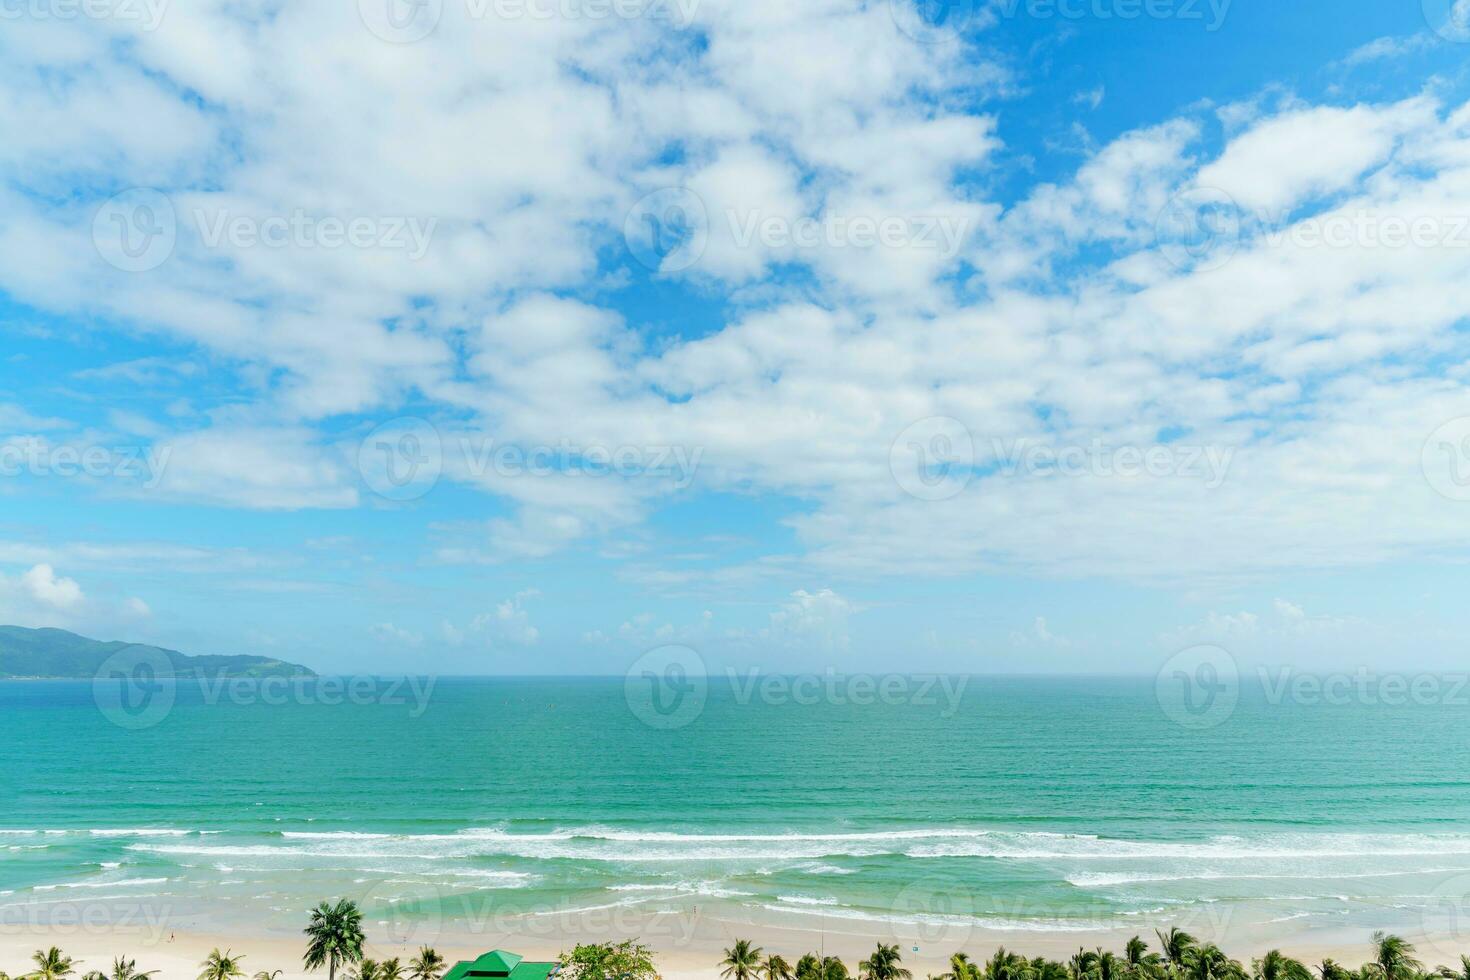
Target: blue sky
x=1021 y=337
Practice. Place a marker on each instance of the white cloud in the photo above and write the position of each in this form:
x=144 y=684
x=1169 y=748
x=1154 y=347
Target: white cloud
x=1285 y=627
x=1038 y=635
x=1279 y=161
x=395 y=636
x=812 y=621
x=509 y=622
x=253 y=467
x=15 y=419
x=1387 y=48
x=1321 y=370
x=50 y=589
x=41 y=596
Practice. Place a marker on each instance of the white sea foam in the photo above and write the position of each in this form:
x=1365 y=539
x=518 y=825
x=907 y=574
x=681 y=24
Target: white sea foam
x=982 y=922
x=806 y=900
x=601 y=844
x=124 y=883
x=1110 y=879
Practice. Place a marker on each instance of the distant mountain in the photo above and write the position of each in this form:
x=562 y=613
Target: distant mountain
x=56 y=653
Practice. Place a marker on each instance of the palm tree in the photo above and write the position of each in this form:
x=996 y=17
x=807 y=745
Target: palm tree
x=1003 y=965
x=1275 y=966
x=833 y=968
x=1331 y=970
x=883 y=964
x=1210 y=963
x=1142 y=963
x=1175 y=945
x=390 y=970
x=809 y=967
x=427 y=965
x=52 y=964
x=1042 y=968
x=1393 y=958
x=221 y=966
x=334 y=936
x=776 y=968
x=742 y=961
x=126 y=969
x=267 y=975
x=960 y=968
x=94 y=975
x=367 y=970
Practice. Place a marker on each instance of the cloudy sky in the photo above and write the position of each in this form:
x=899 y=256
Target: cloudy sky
x=526 y=335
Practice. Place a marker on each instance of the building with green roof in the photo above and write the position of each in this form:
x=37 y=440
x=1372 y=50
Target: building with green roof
x=500 y=965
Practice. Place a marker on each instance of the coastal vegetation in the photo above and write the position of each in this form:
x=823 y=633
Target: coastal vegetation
x=334 y=935
x=1180 y=957
x=628 y=960
x=335 y=938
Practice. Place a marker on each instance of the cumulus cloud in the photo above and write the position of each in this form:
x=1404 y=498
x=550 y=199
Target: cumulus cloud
x=46 y=587
x=395 y=636
x=509 y=622
x=815 y=621
x=41 y=596
x=1059 y=317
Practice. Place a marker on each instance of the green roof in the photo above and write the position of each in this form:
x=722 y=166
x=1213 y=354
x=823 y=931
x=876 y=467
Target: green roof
x=500 y=964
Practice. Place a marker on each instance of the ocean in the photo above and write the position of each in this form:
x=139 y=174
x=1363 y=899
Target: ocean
x=1027 y=804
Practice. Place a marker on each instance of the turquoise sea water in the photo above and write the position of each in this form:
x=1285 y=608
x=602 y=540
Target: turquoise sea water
x=1036 y=804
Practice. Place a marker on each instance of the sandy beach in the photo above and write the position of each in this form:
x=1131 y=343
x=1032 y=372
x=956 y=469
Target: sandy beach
x=687 y=947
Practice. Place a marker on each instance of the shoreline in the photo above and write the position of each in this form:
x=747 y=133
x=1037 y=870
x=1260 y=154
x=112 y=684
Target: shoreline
x=688 y=947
